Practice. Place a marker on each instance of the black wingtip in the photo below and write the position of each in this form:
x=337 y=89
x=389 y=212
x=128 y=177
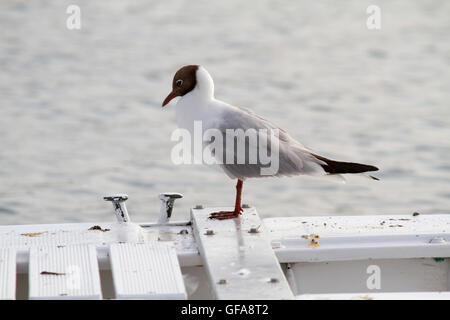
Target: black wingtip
x=338 y=167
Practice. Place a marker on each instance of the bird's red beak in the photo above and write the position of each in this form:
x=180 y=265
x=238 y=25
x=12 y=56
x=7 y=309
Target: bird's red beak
x=169 y=97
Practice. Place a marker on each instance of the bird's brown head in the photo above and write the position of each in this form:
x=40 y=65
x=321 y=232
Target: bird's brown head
x=183 y=82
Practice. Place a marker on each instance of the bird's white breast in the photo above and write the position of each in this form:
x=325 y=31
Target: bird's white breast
x=189 y=111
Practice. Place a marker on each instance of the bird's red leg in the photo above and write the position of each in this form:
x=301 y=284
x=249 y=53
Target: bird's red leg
x=222 y=215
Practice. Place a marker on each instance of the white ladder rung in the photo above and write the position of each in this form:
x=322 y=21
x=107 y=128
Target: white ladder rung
x=64 y=272
x=7 y=274
x=146 y=271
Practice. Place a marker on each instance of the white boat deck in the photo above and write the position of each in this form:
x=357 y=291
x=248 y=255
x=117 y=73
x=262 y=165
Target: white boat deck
x=246 y=258
x=360 y=237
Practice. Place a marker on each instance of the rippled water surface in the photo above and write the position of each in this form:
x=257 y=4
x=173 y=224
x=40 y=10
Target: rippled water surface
x=81 y=116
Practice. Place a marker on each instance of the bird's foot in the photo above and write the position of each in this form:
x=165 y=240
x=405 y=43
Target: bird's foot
x=223 y=215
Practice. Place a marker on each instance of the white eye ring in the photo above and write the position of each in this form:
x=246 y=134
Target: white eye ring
x=179 y=82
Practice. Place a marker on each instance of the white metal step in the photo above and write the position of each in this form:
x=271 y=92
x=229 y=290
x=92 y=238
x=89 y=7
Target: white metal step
x=7 y=274
x=238 y=257
x=146 y=271
x=64 y=272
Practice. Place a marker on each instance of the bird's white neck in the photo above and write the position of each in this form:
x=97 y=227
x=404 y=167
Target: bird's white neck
x=194 y=105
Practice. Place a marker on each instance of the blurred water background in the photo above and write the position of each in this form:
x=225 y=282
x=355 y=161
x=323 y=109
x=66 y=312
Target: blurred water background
x=81 y=116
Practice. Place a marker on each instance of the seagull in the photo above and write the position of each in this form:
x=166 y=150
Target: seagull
x=195 y=86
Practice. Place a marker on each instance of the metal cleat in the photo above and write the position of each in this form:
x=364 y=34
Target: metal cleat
x=118 y=201
x=168 y=200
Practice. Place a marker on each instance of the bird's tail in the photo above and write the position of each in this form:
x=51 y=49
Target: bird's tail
x=339 y=167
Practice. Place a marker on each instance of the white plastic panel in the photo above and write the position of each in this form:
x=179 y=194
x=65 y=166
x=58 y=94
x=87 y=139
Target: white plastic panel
x=146 y=271
x=7 y=274
x=64 y=272
x=240 y=263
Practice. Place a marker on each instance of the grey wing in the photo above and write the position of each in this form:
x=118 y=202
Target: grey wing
x=286 y=156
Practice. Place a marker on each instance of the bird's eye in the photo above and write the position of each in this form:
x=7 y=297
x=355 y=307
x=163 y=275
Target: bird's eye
x=179 y=82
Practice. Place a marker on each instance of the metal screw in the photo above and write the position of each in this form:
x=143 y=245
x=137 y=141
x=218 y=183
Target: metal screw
x=198 y=206
x=209 y=232
x=118 y=201
x=168 y=200
x=254 y=230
